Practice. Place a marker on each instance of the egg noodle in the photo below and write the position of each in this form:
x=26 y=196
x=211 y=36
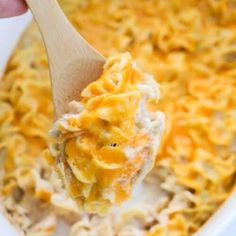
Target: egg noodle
x=190 y=48
x=108 y=141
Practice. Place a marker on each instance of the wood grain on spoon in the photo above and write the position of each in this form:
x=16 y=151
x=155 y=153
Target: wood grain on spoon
x=73 y=62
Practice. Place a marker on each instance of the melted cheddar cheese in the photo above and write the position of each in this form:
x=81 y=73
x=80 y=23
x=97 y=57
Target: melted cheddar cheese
x=189 y=46
x=109 y=140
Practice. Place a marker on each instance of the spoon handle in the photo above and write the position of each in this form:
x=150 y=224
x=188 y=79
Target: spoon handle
x=73 y=62
x=60 y=38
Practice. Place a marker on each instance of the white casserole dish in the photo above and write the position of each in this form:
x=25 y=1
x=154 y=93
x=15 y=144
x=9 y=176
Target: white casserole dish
x=222 y=223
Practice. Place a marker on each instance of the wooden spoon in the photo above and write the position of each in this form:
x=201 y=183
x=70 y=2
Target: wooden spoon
x=73 y=62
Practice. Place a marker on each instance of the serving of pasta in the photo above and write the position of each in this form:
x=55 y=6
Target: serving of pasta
x=108 y=141
x=190 y=48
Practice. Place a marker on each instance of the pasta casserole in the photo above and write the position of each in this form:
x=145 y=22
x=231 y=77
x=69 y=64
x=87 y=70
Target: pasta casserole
x=189 y=48
x=109 y=141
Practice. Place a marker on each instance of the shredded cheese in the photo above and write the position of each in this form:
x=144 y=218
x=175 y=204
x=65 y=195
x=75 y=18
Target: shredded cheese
x=189 y=46
x=112 y=142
